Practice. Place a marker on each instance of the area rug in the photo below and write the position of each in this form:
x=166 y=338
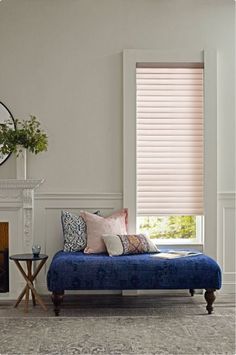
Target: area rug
x=118 y=335
x=102 y=324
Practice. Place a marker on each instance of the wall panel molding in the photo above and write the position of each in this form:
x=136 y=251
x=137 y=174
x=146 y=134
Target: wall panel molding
x=226 y=239
x=48 y=230
x=224 y=195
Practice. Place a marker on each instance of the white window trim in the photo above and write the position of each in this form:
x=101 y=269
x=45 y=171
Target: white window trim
x=209 y=57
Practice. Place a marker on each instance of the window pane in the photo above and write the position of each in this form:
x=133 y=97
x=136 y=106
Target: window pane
x=168 y=227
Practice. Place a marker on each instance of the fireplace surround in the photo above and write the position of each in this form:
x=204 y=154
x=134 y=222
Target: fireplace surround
x=17 y=209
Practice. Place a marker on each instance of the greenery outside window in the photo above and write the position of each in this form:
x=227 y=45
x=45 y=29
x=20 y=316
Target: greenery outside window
x=168 y=229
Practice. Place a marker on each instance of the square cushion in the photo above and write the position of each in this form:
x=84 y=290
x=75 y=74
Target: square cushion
x=97 y=226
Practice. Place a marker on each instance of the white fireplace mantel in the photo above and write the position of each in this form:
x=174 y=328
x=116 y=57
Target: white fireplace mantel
x=17 y=209
x=18 y=195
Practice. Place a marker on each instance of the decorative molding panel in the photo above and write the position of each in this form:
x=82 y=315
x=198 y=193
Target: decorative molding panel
x=48 y=232
x=47 y=228
x=226 y=239
x=227 y=196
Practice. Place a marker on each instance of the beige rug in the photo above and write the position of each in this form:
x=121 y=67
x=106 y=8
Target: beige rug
x=121 y=325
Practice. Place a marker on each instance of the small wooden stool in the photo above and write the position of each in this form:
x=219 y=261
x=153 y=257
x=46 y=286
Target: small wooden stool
x=29 y=277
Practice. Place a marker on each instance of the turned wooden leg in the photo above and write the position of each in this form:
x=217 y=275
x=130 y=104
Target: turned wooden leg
x=57 y=299
x=210 y=298
x=192 y=291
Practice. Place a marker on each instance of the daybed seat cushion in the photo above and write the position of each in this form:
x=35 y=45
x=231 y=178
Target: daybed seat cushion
x=79 y=271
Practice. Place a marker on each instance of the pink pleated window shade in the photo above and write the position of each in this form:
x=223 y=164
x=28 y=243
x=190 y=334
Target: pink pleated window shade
x=170 y=140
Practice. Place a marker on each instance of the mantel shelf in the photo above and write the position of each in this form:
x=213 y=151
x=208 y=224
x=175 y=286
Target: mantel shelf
x=11 y=184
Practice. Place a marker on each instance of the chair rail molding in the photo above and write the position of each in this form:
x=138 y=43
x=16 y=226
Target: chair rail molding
x=79 y=196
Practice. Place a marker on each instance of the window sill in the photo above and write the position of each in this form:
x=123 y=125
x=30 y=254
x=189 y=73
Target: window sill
x=179 y=244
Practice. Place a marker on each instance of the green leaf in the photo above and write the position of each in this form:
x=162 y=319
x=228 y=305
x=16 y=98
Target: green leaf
x=27 y=133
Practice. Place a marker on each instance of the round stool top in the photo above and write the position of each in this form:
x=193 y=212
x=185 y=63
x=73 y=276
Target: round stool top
x=25 y=257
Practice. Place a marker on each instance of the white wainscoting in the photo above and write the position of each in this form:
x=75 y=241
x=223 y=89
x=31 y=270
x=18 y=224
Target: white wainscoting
x=226 y=240
x=48 y=231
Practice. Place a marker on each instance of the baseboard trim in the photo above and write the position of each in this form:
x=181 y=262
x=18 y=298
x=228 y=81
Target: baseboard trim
x=42 y=289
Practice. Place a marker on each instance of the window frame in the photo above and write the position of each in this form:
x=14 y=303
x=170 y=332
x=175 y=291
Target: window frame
x=209 y=58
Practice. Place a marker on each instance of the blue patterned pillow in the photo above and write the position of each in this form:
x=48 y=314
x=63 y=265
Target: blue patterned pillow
x=74 y=230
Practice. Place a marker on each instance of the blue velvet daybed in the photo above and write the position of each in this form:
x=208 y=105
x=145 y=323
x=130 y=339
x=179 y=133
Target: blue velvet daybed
x=79 y=271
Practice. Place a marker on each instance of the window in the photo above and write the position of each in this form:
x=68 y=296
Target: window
x=132 y=57
x=170 y=150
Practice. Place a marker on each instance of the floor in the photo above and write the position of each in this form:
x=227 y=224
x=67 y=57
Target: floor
x=105 y=304
x=112 y=324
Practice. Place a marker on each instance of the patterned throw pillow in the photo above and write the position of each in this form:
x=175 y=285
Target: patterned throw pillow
x=74 y=230
x=129 y=244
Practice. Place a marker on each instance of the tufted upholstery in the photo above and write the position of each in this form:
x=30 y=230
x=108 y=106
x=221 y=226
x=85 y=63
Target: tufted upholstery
x=79 y=271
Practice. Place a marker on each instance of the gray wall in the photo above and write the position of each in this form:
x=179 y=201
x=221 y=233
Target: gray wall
x=62 y=61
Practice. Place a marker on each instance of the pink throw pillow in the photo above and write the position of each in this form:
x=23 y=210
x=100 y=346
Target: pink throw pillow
x=97 y=226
